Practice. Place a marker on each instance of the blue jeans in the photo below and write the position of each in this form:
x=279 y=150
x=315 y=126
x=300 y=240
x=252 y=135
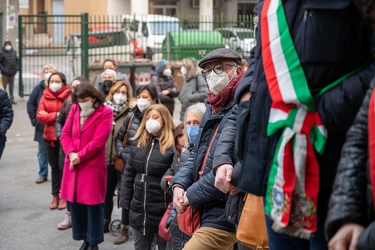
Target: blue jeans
x=87 y=222
x=42 y=160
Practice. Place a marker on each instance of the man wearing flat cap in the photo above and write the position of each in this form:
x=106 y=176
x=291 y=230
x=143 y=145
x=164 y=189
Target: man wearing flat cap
x=193 y=184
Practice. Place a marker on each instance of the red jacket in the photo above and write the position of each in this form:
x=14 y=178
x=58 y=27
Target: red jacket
x=51 y=102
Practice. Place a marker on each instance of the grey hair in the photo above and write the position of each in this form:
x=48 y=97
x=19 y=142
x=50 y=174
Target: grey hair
x=197 y=109
x=110 y=72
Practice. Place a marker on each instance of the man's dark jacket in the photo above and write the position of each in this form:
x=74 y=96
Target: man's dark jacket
x=32 y=107
x=203 y=192
x=8 y=62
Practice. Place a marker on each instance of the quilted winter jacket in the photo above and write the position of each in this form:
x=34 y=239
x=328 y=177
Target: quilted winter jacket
x=324 y=59
x=6 y=112
x=146 y=200
x=123 y=151
x=51 y=102
x=351 y=199
x=8 y=62
x=203 y=192
x=161 y=83
x=194 y=90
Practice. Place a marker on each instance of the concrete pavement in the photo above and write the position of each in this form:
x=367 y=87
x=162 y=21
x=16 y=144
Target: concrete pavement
x=26 y=222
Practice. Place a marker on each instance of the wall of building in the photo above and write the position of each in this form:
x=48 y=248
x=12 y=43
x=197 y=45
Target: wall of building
x=94 y=7
x=10 y=32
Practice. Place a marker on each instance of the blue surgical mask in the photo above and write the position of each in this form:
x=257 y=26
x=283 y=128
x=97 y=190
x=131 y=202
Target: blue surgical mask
x=192 y=133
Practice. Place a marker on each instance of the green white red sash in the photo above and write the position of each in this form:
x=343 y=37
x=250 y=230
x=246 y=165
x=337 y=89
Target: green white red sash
x=293 y=184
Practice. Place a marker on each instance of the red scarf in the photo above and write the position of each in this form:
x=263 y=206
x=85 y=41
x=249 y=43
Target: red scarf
x=225 y=96
x=371 y=141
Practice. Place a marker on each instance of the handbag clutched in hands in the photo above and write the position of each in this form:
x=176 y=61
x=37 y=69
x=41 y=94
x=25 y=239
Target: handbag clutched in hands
x=190 y=220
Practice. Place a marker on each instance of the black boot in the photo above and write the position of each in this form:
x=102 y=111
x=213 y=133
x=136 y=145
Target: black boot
x=85 y=245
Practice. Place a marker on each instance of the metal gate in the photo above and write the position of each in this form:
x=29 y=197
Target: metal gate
x=38 y=46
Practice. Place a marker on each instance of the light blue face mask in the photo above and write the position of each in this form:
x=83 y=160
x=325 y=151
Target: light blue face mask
x=192 y=133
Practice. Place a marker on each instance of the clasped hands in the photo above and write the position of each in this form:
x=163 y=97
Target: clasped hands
x=223 y=179
x=74 y=160
x=180 y=200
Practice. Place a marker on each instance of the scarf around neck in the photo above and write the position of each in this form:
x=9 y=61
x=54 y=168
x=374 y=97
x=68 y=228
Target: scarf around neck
x=220 y=100
x=115 y=107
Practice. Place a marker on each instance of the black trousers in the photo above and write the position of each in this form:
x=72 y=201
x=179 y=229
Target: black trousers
x=53 y=160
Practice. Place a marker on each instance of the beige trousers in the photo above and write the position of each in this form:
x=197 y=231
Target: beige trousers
x=208 y=238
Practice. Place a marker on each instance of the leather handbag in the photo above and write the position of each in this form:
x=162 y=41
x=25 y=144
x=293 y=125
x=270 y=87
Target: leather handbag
x=163 y=230
x=119 y=164
x=190 y=220
x=251 y=231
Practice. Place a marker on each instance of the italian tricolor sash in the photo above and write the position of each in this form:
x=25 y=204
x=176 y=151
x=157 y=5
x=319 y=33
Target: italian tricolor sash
x=293 y=184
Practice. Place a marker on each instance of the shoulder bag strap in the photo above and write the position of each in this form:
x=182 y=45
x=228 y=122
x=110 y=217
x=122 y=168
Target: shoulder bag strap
x=200 y=173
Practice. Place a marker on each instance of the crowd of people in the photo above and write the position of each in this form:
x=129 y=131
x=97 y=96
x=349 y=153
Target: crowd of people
x=293 y=124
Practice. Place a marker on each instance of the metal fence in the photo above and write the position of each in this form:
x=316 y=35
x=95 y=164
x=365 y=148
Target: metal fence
x=72 y=42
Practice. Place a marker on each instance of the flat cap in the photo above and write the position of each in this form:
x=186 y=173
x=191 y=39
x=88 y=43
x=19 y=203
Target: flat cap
x=219 y=55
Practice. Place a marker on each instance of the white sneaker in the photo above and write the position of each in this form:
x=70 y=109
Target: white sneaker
x=66 y=223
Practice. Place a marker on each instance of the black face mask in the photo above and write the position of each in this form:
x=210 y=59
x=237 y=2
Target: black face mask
x=106 y=86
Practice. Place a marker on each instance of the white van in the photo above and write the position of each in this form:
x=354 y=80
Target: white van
x=149 y=31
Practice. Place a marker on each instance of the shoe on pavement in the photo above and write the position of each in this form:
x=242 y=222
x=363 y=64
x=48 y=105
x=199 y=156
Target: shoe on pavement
x=123 y=236
x=14 y=102
x=66 y=223
x=62 y=204
x=55 y=202
x=40 y=180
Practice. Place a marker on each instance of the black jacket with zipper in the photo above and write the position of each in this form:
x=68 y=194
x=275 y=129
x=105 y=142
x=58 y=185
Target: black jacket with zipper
x=145 y=199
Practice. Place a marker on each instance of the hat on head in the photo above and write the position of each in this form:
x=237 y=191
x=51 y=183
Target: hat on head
x=7 y=43
x=160 y=65
x=220 y=55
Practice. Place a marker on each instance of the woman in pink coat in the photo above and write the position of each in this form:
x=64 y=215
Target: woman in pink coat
x=83 y=137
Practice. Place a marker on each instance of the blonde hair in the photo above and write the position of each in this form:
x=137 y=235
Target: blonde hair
x=191 y=65
x=49 y=66
x=116 y=87
x=197 y=109
x=166 y=139
x=110 y=72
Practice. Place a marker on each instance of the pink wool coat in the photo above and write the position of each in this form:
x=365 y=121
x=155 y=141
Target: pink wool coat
x=86 y=183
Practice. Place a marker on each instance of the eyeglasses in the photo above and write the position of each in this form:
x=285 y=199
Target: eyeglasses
x=218 y=69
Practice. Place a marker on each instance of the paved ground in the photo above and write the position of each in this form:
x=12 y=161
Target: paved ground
x=26 y=222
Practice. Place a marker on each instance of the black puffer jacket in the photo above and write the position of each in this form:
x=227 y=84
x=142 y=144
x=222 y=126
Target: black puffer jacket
x=146 y=200
x=32 y=107
x=122 y=150
x=351 y=199
x=60 y=121
x=8 y=62
x=6 y=113
x=203 y=192
x=178 y=238
x=162 y=82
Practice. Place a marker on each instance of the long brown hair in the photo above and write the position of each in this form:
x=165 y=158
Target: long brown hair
x=166 y=138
